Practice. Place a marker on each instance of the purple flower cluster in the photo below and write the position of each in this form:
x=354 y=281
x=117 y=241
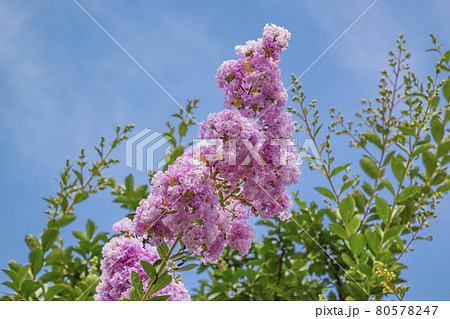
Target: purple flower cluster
x=241 y=162
x=121 y=256
x=241 y=168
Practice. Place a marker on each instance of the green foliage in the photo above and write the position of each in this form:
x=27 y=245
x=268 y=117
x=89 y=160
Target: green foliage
x=350 y=247
x=186 y=118
x=56 y=271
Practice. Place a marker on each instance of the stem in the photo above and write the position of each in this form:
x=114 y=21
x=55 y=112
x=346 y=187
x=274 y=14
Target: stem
x=326 y=170
x=161 y=267
x=89 y=179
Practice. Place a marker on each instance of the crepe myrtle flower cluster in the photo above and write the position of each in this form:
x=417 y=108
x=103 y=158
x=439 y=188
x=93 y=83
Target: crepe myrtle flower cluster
x=121 y=256
x=240 y=169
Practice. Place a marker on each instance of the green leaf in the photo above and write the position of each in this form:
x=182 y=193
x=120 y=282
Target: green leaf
x=373 y=240
x=182 y=128
x=354 y=223
x=326 y=192
x=137 y=283
x=51 y=276
x=80 y=196
x=80 y=235
x=356 y=291
x=338 y=169
x=383 y=209
x=182 y=255
x=447 y=56
x=446 y=89
x=408 y=192
x=444 y=147
x=14 y=277
x=149 y=270
x=386 y=183
x=48 y=238
x=90 y=228
x=365 y=269
x=162 y=249
x=357 y=243
x=347 y=208
x=54 y=255
x=129 y=184
x=186 y=268
x=32 y=242
x=392 y=232
x=160 y=298
x=134 y=294
x=407 y=130
x=367 y=188
x=430 y=162
x=437 y=129
x=372 y=137
x=398 y=168
x=65 y=220
x=36 y=258
x=348 y=260
x=162 y=282
x=54 y=290
x=369 y=166
x=422 y=148
x=339 y=230
x=28 y=287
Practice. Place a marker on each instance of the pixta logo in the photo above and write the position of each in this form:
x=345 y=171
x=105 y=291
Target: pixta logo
x=144 y=148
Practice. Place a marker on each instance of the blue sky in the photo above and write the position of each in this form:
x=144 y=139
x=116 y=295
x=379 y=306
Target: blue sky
x=64 y=83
